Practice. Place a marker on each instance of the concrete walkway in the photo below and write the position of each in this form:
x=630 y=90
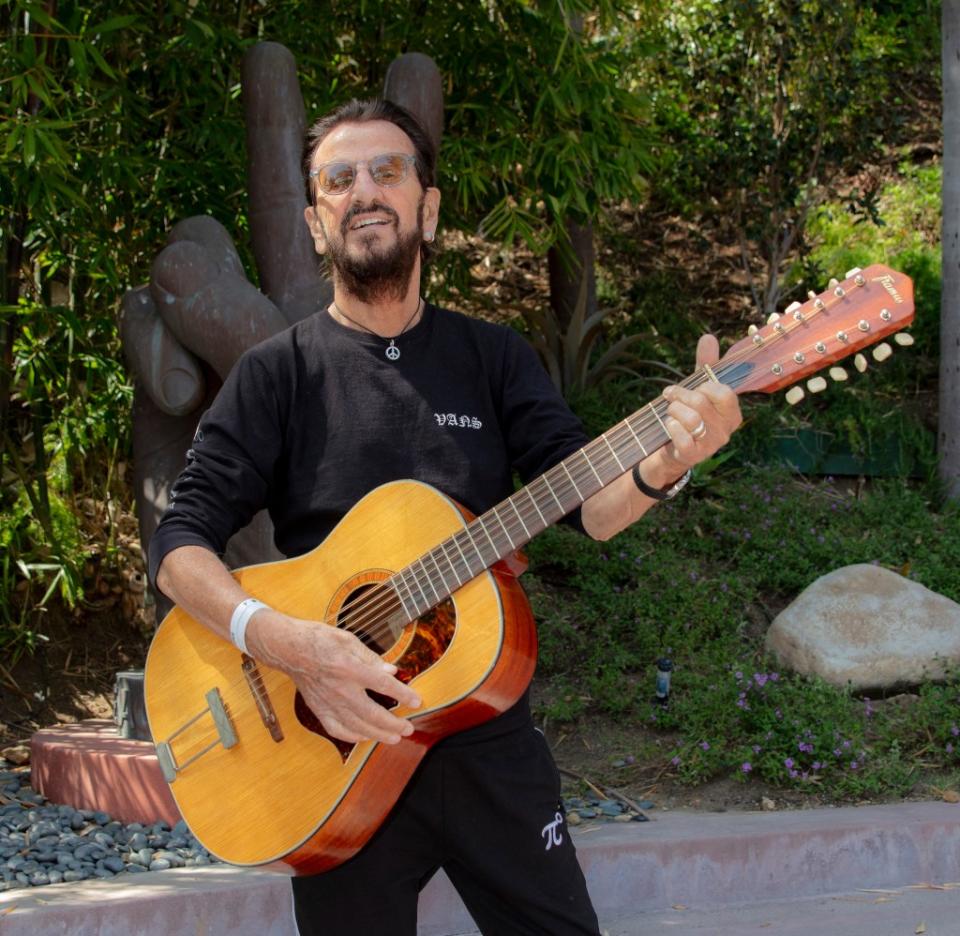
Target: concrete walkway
x=851 y=872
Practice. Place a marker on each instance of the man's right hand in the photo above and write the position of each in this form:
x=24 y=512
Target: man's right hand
x=333 y=669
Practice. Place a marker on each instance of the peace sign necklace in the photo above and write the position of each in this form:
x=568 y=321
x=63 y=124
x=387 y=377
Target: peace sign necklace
x=392 y=352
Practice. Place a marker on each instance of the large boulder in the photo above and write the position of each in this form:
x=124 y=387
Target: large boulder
x=868 y=627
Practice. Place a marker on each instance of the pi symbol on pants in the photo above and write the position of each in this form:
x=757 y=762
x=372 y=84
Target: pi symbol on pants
x=551 y=832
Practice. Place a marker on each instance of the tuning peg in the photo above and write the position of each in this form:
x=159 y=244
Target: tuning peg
x=791 y=308
x=834 y=283
x=882 y=351
x=794 y=395
x=752 y=330
x=860 y=363
x=904 y=339
x=851 y=273
x=773 y=317
x=838 y=373
x=811 y=294
x=816 y=384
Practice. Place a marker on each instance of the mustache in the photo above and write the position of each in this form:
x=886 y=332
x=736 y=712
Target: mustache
x=364 y=209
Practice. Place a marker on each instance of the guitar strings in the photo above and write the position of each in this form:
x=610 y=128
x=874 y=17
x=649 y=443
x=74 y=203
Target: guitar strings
x=371 y=603
x=359 y=613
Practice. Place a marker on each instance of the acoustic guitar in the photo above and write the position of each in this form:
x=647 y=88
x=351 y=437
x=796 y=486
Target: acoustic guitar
x=433 y=590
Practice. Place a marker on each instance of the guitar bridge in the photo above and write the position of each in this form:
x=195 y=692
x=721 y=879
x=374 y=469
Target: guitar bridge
x=226 y=736
x=261 y=698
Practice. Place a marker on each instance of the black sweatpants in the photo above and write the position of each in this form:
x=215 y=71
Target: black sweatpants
x=489 y=813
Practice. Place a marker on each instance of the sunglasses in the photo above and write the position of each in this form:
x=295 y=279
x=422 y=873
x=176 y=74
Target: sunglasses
x=387 y=170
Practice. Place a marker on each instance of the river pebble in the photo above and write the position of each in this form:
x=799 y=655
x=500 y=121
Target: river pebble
x=43 y=844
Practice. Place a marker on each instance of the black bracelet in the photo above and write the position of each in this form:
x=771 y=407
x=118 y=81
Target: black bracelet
x=655 y=493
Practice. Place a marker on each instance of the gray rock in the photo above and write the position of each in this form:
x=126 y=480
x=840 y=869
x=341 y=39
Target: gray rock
x=160 y=864
x=114 y=863
x=137 y=841
x=868 y=627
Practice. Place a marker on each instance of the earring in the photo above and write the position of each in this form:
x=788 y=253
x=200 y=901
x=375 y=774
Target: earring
x=428 y=237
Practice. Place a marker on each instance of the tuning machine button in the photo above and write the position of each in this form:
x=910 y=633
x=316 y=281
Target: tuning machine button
x=816 y=384
x=794 y=395
x=904 y=339
x=882 y=351
x=860 y=363
x=838 y=373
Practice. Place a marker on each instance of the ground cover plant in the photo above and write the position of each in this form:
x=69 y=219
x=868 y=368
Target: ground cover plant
x=698 y=581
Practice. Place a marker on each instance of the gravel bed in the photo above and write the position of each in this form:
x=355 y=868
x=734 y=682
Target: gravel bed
x=41 y=843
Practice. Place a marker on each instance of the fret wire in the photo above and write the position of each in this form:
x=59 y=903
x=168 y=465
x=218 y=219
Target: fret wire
x=613 y=452
x=563 y=465
x=476 y=549
x=430 y=580
x=630 y=427
x=586 y=458
x=519 y=517
x=659 y=420
x=546 y=481
x=423 y=595
x=446 y=587
x=466 y=564
x=406 y=610
x=496 y=550
x=536 y=506
x=503 y=527
x=453 y=568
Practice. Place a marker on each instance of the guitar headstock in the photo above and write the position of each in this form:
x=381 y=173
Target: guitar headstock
x=862 y=310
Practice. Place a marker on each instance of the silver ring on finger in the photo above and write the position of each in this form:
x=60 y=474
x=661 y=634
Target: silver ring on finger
x=699 y=431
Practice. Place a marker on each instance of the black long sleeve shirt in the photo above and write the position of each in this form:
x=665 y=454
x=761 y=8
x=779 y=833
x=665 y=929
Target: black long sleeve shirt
x=315 y=417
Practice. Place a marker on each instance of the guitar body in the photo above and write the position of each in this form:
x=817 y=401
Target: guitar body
x=430 y=589
x=282 y=791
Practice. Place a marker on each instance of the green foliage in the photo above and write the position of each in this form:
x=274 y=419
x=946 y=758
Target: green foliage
x=698 y=581
x=759 y=104
x=892 y=403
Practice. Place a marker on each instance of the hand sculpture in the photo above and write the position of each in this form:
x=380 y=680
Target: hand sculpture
x=183 y=332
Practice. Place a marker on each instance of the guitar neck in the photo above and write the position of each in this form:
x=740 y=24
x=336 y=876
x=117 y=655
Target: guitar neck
x=868 y=305
x=516 y=520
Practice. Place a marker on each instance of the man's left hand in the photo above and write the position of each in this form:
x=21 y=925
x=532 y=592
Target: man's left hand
x=699 y=421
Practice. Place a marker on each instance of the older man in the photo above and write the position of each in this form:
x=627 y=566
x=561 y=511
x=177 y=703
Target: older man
x=356 y=396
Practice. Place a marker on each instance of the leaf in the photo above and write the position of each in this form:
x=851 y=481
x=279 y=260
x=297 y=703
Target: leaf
x=113 y=24
x=101 y=61
x=29 y=145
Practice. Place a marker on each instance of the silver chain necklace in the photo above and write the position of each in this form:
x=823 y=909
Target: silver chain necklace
x=392 y=352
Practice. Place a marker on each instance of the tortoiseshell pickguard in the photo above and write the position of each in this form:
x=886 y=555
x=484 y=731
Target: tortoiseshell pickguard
x=420 y=645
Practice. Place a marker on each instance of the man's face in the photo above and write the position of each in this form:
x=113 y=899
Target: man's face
x=371 y=233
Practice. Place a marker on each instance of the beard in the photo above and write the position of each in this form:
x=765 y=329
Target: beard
x=375 y=273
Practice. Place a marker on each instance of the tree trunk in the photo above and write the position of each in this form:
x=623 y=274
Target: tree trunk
x=949 y=428
x=565 y=277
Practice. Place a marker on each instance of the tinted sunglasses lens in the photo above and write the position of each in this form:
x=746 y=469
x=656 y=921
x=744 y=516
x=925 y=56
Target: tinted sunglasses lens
x=390 y=169
x=335 y=178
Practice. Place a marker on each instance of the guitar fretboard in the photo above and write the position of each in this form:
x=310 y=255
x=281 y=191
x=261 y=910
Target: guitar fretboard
x=513 y=522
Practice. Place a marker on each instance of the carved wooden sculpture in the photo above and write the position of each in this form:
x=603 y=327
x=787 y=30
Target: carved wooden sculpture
x=184 y=330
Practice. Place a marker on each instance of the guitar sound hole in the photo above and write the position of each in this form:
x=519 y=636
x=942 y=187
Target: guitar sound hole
x=426 y=641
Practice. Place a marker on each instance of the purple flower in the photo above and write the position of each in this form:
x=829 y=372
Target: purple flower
x=774 y=677
x=794 y=774
x=955 y=731
x=817 y=765
x=760 y=679
x=853 y=765
x=757 y=749
x=705 y=745
x=675 y=760
x=746 y=767
x=739 y=675
x=949 y=748
x=788 y=763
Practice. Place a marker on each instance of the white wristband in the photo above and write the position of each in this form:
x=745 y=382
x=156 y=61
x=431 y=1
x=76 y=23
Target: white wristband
x=239 y=620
